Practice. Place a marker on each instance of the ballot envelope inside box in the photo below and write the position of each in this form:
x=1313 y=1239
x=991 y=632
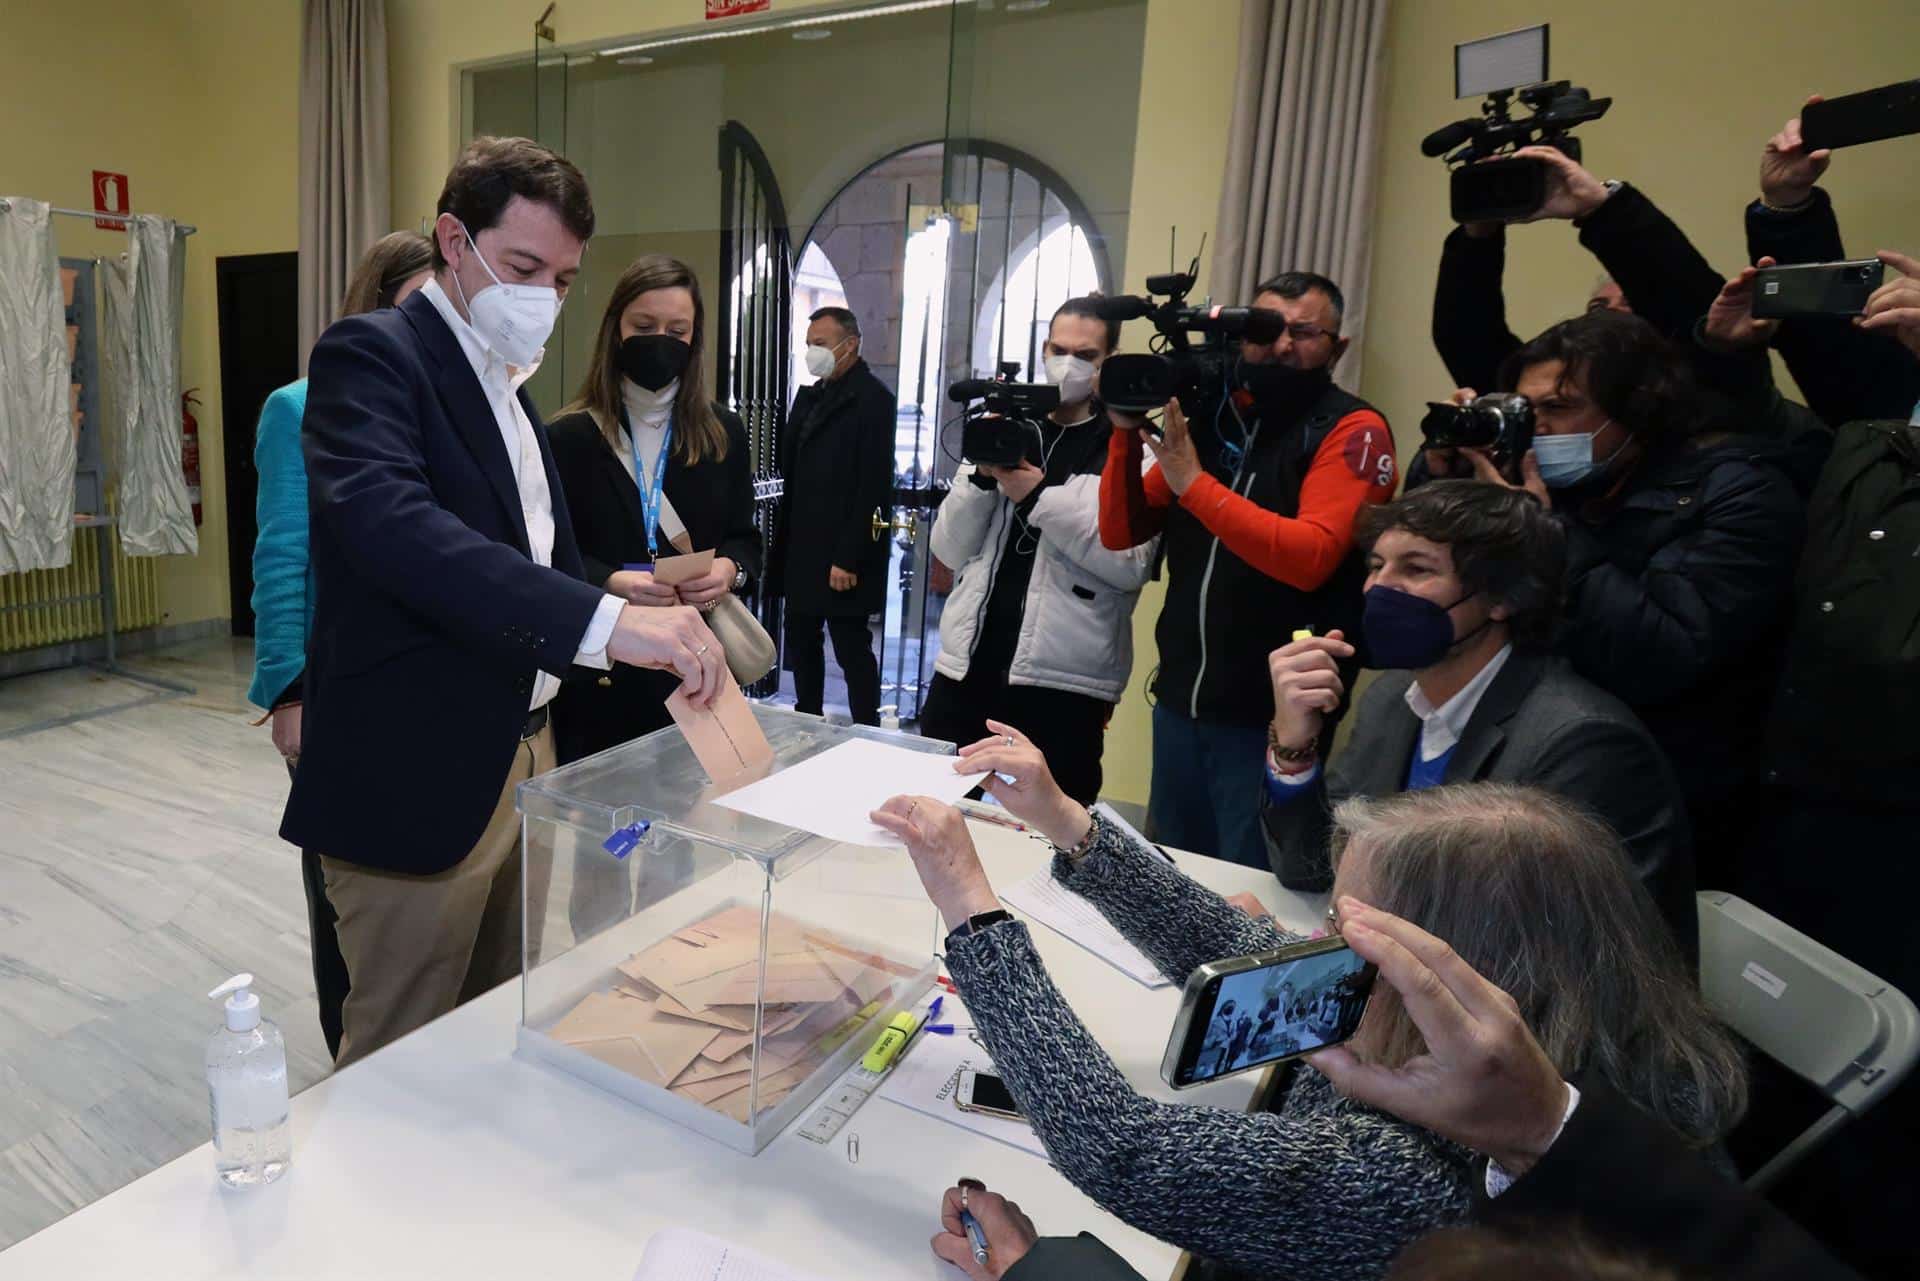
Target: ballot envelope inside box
x=714 y=966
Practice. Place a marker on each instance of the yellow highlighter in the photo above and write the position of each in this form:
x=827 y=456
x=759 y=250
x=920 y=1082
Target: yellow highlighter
x=885 y=1050
x=1303 y=633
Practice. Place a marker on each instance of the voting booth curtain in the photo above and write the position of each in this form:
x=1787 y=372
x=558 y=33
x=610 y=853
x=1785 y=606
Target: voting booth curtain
x=1299 y=185
x=37 y=433
x=144 y=289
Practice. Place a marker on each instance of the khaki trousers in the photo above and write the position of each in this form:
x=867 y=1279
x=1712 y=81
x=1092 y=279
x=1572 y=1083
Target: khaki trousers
x=417 y=946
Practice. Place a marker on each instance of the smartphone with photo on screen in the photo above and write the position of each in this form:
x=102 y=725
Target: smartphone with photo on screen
x=1249 y=1011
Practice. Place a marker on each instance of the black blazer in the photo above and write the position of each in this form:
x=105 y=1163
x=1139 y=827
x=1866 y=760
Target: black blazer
x=714 y=500
x=1625 y=1178
x=430 y=617
x=1538 y=723
x=837 y=458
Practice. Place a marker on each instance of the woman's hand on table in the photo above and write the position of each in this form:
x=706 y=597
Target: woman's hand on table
x=1009 y=1233
x=936 y=836
x=1032 y=796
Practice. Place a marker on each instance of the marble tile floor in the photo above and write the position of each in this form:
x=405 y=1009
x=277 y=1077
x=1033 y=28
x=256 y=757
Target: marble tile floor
x=139 y=867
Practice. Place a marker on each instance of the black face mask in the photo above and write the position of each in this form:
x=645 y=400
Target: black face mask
x=653 y=360
x=1280 y=392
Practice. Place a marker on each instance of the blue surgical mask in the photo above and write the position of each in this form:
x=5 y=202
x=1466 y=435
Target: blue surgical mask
x=1566 y=460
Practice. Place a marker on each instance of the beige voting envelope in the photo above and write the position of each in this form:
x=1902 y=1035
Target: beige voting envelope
x=671 y=571
x=725 y=738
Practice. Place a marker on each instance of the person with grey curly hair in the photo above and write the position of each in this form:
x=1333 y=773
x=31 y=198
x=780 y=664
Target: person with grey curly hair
x=1526 y=888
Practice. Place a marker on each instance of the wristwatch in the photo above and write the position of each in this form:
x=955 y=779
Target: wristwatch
x=975 y=923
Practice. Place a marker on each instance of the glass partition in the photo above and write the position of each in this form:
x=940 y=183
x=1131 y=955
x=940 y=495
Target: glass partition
x=949 y=171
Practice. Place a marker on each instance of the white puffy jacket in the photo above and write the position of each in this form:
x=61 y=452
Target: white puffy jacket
x=1076 y=632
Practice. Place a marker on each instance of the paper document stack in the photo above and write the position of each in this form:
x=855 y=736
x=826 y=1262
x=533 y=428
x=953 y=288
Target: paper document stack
x=681 y=1254
x=679 y=1014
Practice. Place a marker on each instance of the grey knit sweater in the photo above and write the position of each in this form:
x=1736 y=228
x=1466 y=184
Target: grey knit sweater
x=1322 y=1188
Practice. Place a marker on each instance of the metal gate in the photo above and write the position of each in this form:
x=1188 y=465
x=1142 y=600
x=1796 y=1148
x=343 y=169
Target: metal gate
x=752 y=356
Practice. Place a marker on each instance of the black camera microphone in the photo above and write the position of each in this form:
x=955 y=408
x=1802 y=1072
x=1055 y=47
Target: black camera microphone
x=1447 y=137
x=971 y=389
x=1124 y=307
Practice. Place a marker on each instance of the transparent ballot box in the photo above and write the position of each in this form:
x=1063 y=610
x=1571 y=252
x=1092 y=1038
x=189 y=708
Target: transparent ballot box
x=718 y=968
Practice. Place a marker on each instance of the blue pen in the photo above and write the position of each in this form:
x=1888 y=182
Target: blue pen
x=975 y=1235
x=933 y=1011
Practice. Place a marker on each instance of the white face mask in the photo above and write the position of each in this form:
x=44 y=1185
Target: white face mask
x=514 y=320
x=821 y=360
x=1073 y=376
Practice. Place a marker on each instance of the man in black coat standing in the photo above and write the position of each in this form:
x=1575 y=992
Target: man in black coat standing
x=829 y=562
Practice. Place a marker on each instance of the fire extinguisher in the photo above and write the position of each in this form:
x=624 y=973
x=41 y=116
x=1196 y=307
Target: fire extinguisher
x=190 y=448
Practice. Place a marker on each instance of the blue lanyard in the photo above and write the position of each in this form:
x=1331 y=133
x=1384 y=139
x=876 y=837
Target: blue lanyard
x=652 y=494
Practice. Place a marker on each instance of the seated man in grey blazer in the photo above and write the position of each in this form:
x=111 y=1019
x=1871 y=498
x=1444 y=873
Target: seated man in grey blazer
x=1463 y=591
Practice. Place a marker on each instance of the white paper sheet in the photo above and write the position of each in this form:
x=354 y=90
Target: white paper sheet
x=831 y=794
x=1066 y=913
x=925 y=1078
x=681 y=1254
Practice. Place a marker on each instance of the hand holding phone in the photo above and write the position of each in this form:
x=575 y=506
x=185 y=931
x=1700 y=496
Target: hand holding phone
x=1816 y=288
x=1249 y=1011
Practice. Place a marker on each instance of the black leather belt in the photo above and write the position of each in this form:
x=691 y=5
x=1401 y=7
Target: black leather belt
x=536 y=721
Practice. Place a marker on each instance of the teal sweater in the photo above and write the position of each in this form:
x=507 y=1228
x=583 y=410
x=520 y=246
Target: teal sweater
x=282 y=583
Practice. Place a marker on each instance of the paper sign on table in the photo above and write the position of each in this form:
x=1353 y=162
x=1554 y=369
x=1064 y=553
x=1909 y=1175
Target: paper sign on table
x=726 y=738
x=1066 y=913
x=831 y=794
x=926 y=1076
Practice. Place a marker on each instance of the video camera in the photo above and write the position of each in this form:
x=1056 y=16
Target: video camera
x=1500 y=190
x=1003 y=430
x=1177 y=366
x=1500 y=423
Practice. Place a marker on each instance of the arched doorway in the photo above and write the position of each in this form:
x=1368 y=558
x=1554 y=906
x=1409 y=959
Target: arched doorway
x=942 y=292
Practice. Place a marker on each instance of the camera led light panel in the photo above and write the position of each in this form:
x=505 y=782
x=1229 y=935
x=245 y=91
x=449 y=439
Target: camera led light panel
x=1504 y=61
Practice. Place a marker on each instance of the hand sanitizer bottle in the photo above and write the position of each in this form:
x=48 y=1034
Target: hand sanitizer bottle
x=247 y=1079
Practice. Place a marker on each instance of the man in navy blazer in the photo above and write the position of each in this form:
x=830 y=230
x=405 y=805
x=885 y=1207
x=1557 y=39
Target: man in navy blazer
x=449 y=599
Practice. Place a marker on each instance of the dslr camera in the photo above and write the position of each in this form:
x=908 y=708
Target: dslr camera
x=1500 y=422
x=1180 y=367
x=1509 y=187
x=1003 y=428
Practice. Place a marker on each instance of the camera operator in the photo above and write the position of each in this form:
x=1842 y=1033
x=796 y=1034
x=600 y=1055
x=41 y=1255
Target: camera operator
x=1039 y=628
x=1653 y=270
x=1681 y=542
x=1257 y=506
x=1845 y=371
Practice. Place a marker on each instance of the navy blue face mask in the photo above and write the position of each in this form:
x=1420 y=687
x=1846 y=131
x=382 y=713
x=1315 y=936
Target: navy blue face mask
x=1408 y=632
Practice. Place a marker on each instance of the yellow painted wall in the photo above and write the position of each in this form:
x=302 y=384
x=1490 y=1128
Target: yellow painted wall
x=197 y=103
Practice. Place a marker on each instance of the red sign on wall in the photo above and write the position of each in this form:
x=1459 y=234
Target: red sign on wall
x=110 y=197
x=734 y=8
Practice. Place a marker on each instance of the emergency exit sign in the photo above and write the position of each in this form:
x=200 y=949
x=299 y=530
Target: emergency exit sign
x=110 y=197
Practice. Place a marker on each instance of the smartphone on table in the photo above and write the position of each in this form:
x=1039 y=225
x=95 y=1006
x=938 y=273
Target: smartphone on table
x=985 y=1092
x=1816 y=288
x=1249 y=1011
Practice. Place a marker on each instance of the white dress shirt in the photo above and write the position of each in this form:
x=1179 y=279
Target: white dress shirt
x=500 y=381
x=1442 y=726
x=1498 y=1180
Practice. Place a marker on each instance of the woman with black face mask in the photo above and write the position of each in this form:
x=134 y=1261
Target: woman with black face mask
x=650 y=468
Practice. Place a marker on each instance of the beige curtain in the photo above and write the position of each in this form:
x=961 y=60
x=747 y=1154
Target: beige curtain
x=1298 y=194
x=343 y=151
